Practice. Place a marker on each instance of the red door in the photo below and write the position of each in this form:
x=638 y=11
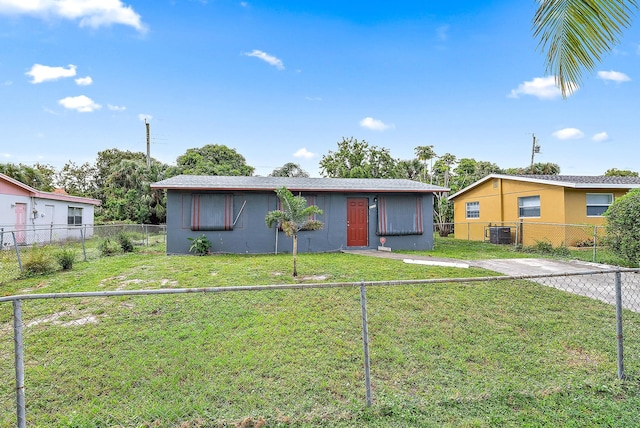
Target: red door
x=21 y=223
x=357 y=222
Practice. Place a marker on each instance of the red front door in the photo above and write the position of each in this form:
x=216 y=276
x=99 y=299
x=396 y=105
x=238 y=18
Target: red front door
x=357 y=222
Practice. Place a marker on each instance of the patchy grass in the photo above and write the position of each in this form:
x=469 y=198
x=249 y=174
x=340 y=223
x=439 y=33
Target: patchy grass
x=507 y=353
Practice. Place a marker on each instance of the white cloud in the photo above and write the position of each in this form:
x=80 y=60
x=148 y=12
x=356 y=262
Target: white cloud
x=116 y=108
x=568 y=134
x=374 y=124
x=600 y=136
x=41 y=73
x=81 y=103
x=84 y=81
x=7 y=83
x=614 y=76
x=442 y=32
x=6 y=155
x=313 y=98
x=269 y=59
x=142 y=117
x=304 y=153
x=543 y=88
x=90 y=13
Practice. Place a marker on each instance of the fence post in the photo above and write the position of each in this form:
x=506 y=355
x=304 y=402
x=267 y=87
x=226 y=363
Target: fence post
x=619 y=325
x=15 y=244
x=84 y=250
x=365 y=343
x=595 y=237
x=468 y=232
x=2 y=237
x=19 y=360
x=146 y=233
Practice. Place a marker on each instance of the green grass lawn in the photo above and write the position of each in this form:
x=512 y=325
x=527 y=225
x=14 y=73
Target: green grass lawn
x=503 y=353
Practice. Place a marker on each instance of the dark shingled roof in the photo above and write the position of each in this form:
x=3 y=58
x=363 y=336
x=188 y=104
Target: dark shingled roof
x=572 y=181
x=210 y=182
x=583 y=179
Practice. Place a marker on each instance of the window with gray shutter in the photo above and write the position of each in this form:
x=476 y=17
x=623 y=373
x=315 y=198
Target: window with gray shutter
x=399 y=215
x=212 y=212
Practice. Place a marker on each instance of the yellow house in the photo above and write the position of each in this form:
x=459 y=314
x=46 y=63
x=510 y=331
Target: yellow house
x=530 y=208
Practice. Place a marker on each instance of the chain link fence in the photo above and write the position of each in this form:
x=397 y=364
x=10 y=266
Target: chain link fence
x=583 y=237
x=17 y=244
x=309 y=353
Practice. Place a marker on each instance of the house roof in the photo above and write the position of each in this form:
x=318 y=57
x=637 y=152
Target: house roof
x=295 y=184
x=572 y=181
x=35 y=193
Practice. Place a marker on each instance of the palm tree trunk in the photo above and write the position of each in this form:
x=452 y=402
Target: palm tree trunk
x=295 y=254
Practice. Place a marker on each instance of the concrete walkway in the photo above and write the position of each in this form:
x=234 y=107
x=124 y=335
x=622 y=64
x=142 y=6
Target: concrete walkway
x=596 y=286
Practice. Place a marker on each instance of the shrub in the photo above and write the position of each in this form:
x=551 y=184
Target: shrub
x=108 y=247
x=125 y=241
x=199 y=245
x=65 y=257
x=38 y=261
x=623 y=227
x=546 y=248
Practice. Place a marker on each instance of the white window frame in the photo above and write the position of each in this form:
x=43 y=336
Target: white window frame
x=610 y=195
x=72 y=213
x=528 y=202
x=472 y=209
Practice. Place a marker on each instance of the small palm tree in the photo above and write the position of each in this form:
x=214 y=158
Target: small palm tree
x=294 y=216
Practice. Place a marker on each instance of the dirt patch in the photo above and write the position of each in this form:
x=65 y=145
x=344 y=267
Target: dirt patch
x=54 y=319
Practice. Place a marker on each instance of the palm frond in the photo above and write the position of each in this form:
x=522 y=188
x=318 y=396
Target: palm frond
x=575 y=34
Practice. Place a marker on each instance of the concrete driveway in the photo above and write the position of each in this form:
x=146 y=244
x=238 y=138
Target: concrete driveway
x=597 y=286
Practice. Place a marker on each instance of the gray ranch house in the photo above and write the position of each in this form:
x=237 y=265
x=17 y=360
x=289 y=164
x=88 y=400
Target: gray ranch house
x=357 y=213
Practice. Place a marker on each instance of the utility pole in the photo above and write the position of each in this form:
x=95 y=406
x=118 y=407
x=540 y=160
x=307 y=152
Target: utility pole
x=148 y=145
x=534 y=149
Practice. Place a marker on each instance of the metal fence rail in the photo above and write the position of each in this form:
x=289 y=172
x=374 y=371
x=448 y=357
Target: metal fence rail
x=15 y=244
x=175 y=354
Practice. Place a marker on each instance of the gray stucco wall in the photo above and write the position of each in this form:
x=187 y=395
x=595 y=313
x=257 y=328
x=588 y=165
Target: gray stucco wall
x=251 y=235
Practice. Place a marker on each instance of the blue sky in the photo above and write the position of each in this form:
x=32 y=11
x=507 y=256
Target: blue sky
x=283 y=81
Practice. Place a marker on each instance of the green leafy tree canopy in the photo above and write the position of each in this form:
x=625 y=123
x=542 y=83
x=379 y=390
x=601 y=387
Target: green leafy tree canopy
x=212 y=159
x=356 y=159
x=623 y=227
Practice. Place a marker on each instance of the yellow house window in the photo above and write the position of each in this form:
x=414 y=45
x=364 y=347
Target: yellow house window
x=529 y=206
x=597 y=203
x=473 y=209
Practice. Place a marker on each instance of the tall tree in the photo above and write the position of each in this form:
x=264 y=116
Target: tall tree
x=129 y=196
x=212 y=159
x=38 y=176
x=424 y=154
x=615 y=172
x=78 y=180
x=289 y=169
x=411 y=169
x=293 y=217
x=443 y=209
x=469 y=170
x=539 y=168
x=575 y=34
x=356 y=159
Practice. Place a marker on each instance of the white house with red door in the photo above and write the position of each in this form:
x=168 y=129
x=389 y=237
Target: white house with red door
x=33 y=216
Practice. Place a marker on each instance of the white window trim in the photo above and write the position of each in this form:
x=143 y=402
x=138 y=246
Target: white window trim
x=529 y=197
x=476 y=210
x=587 y=205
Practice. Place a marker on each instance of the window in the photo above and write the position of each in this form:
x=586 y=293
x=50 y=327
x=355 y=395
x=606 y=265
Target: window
x=399 y=215
x=212 y=212
x=529 y=206
x=74 y=216
x=473 y=209
x=597 y=203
